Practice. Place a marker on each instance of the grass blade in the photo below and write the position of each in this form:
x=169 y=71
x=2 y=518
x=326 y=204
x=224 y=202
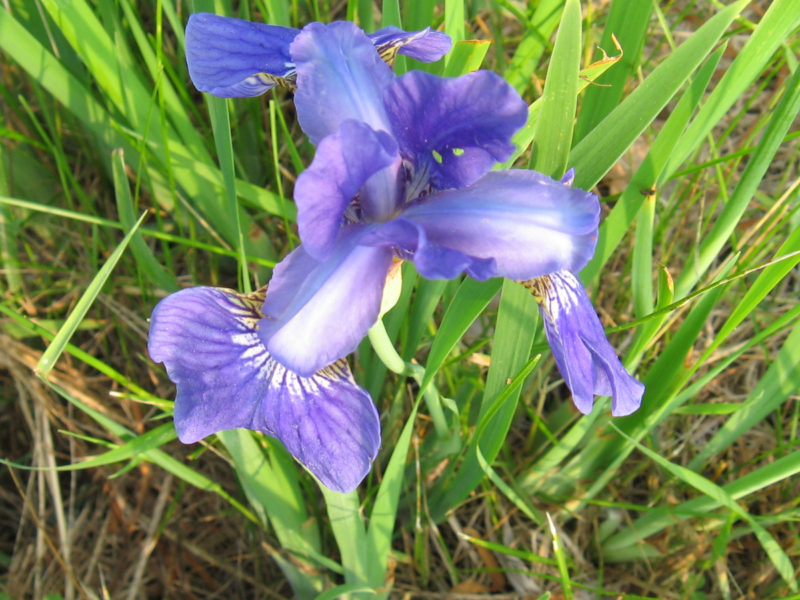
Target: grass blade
x=774 y=551
x=553 y=138
x=724 y=225
x=597 y=152
x=384 y=510
x=220 y=123
x=275 y=495
x=626 y=26
x=617 y=223
x=535 y=41
x=470 y=300
x=56 y=347
x=145 y=260
x=777 y=386
x=777 y=23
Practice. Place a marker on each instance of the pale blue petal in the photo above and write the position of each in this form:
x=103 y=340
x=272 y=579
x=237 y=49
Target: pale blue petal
x=340 y=76
x=432 y=260
x=354 y=157
x=528 y=224
x=581 y=350
x=319 y=311
x=426 y=45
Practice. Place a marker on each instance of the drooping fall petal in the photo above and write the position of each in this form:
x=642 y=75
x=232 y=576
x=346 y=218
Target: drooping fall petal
x=581 y=350
x=207 y=338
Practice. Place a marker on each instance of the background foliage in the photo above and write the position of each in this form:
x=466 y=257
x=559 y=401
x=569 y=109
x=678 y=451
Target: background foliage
x=686 y=125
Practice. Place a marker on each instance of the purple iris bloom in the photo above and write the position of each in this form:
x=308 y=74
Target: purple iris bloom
x=581 y=350
x=402 y=170
x=233 y=58
x=208 y=340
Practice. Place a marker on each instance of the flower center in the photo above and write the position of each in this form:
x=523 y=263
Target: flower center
x=418 y=182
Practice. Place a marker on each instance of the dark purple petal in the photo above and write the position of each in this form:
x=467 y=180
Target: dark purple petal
x=326 y=421
x=226 y=379
x=231 y=58
x=581 y=350
x=354 y=157
x=457 y=127
x=425 y=45
x=527 y=223
x=339 y=77
x=318 y=311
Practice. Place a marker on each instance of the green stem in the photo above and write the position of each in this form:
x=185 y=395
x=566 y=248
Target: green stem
x=388 y=355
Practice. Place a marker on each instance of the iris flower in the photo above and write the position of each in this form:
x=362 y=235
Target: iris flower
x=208 y=338
x=401 y=171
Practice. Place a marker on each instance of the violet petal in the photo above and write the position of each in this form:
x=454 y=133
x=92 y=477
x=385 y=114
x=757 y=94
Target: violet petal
x=232 y=58
x=319 y=311
x=343 y=164
x=458 y=128
x=529 y=224
x=340 y=76
x=226 y=379
x=426 y=45
x=581 y=350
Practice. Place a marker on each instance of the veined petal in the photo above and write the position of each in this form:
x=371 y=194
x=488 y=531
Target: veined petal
x=204 y=336
x=581 y=350
x=226 y=379
x=318 y=311
x=457 y=127
x=231 y=58
x=529 y=224
x=340 y=76
x=343 y=163
x=326 y=421
x=426 y=45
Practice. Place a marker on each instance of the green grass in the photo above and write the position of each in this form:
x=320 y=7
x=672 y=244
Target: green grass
x=487 y=475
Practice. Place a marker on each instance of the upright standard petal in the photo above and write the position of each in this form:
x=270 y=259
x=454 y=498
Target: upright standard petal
x=529 y=224
x=232 y=58
x=226 y=379
x=343 y=164
x=426 y=45
x=319 y=311
x=340 y=76
x=457 y=127
x=581 y=350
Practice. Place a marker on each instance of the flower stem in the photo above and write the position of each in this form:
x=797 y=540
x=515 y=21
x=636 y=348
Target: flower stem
x=385 y=350
x=388 y=355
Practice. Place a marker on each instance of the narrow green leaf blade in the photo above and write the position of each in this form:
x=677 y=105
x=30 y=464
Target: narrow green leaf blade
x=145 y=260
x=600 y=149
x=553 y=138
x=777 y=23
x=384 y=510
x=56 y=347
x=774 y=551
x=629 y=23
x=470 y=300
x=724 y=225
